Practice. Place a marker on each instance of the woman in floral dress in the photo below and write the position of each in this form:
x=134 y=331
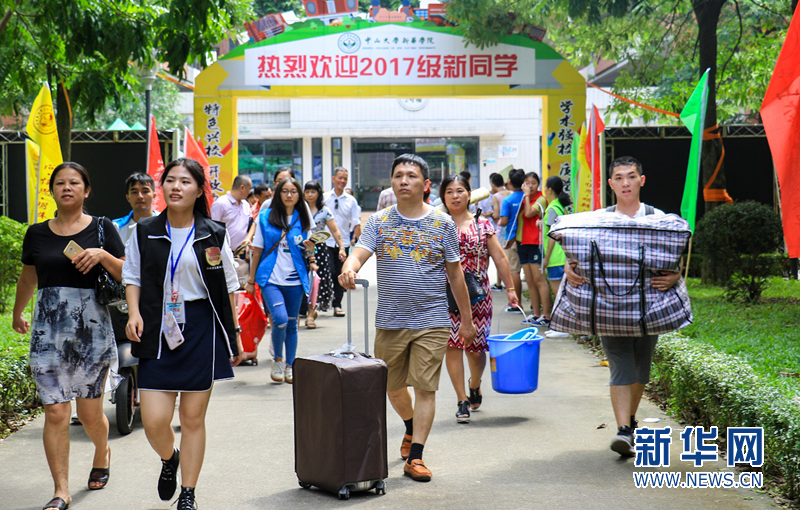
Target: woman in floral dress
x=478 y=242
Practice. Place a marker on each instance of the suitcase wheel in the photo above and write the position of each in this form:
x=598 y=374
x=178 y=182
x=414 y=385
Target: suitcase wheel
x=344 y=493
x=304 y=484
x=380 y=488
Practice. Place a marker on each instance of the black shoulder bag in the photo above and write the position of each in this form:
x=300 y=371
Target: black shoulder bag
x=108 y=291
x=473 y=281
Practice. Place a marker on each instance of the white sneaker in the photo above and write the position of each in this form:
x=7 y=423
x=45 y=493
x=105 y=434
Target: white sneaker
x=288 y=376
x=278 y=368
x=556 y=334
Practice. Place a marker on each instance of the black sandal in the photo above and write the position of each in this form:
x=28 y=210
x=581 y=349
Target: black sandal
x=475 y=398
x=100 y=475
x=462 y=415
x=59 y=503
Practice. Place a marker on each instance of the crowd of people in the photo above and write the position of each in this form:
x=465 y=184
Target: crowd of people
x=181 y=269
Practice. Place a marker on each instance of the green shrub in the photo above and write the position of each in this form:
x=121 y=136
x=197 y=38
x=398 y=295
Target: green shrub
x=11 y=235
x=738 y=242
x=705 y=387
x=17 y=389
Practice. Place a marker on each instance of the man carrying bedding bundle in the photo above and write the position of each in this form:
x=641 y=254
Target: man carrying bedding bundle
x=629 y=358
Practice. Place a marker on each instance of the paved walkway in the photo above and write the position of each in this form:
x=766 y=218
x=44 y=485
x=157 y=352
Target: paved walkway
x=541 y=450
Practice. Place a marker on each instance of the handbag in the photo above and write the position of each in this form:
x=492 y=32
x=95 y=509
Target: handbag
x=108 y=291
x=474 y=283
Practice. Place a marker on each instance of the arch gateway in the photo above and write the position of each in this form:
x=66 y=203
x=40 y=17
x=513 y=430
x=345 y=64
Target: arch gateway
x=411 y=62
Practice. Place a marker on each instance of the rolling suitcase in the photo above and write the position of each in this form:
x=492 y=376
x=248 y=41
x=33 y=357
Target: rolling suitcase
x=340 y=418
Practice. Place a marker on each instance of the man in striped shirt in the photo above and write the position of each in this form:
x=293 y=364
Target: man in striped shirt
x=417 y=253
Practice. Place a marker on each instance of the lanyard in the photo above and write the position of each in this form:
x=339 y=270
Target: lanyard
x=175 y=263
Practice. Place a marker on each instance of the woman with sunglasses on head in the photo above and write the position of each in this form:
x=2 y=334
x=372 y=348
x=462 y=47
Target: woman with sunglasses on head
x=72 y=341
x=477 y=242
x=180 y=281
x=279 y=268
x=323 y=217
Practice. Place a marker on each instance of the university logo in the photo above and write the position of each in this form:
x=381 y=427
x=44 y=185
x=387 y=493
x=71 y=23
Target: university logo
x=349 y=43
x=45 y=120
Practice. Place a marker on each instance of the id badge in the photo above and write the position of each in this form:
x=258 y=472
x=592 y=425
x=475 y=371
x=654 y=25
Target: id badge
x=172 y=332
x=178 y=310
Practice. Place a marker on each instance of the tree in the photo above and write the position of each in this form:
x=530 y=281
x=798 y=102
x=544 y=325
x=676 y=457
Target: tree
x=84 y=48
x=165 y=99
x=668 y=44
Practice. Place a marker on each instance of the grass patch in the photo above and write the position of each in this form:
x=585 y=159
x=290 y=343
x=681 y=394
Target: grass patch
x=762 y=334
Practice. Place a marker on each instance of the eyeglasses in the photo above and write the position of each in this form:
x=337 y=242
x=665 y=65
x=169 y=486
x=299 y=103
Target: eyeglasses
x=337 y=204
x=289 y=192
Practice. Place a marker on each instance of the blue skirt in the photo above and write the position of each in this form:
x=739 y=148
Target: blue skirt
x=195 y=364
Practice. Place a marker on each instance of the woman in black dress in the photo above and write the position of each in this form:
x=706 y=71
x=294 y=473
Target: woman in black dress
x=180 y=281
x=72 y=341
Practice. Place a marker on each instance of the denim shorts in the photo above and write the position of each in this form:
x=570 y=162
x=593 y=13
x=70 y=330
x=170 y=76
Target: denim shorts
x=529 y=253
x=555 y=273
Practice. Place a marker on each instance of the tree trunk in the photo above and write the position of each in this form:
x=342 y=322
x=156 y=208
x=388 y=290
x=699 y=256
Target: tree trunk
x=707 y=14
x=63 y=122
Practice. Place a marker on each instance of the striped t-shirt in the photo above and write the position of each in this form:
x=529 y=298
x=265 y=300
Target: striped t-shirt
x=411 y=255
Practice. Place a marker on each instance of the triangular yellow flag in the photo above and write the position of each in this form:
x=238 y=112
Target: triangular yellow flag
x=42 y=130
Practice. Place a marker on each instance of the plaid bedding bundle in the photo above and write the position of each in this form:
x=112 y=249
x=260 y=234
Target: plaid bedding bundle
x=618 y=256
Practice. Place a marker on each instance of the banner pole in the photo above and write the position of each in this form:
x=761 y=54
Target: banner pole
x=688 y=259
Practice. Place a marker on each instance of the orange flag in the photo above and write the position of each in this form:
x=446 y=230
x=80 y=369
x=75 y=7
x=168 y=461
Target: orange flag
x=780 y=113
x=194 y=151
x=155 y=166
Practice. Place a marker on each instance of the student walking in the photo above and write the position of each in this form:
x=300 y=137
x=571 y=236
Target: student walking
x=510 y=213
x=554 y=257
x=323 y=217
x=629 y=358
x=180 y=280
x=72 y=341
x=280 y=270
x=530 y=251
x=417 y=252
x=477 y=242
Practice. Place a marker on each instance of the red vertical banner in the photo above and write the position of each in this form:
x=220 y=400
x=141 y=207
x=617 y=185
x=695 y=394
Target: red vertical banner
x=155 y=166
x=596 y=126
x=780 y=112
x=194 y=151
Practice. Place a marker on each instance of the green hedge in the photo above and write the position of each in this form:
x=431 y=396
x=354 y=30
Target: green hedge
x=706 y=387
x=17 y=391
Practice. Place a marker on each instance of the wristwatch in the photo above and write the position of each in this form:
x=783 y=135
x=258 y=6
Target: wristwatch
x=238 y=330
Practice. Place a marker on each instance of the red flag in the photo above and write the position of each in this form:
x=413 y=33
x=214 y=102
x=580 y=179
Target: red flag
x=780 y=113
x=155 y=166
x=592 y=148
x=194 y=151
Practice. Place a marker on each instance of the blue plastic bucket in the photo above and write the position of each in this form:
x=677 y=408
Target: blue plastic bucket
x=514 y=361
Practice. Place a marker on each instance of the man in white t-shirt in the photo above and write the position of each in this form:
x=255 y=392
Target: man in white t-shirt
x=417 y=251
x=347 y=215
x=629 y=358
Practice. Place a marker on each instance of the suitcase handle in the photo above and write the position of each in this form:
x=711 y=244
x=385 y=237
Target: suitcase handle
x=365 y=284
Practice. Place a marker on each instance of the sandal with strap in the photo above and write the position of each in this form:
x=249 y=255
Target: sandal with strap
x=56 y=504
x=100 y=475
x=462 y=415
x=475 y=398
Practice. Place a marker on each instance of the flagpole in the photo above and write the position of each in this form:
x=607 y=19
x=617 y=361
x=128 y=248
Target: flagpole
x=688 y=259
